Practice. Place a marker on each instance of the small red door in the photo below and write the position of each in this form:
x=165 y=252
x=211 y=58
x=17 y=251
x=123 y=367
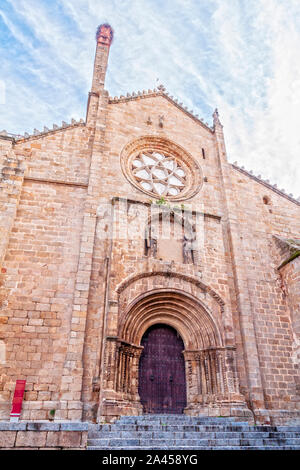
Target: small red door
x=162 y=385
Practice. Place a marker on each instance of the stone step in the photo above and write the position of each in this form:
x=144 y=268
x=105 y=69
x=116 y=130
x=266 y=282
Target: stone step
x=173 y=419
x=176 y=418
x=191 y=435
x=288 y=428
x=196 y=428
x=179 y=443
x=185 y=432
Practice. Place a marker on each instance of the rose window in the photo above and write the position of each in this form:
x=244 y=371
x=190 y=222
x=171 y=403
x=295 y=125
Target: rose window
x=159 y=173
x=160 y=168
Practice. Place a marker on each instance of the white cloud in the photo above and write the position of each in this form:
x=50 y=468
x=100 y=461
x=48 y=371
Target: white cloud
x=2 y=92
x=260 y=120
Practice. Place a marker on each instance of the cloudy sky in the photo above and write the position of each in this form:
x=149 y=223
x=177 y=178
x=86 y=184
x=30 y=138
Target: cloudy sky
x=241 y=56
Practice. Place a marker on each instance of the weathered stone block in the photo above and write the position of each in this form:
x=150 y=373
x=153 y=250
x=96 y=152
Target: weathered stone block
x=7 y=438
x=31 y=439
x=70 y=438
x=52 y=439
x=43 y=426
x=75 y=426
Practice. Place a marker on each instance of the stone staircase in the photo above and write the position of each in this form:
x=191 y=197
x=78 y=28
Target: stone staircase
x=180 y=432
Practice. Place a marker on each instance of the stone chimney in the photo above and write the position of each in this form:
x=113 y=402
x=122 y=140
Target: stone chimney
x=104 y=37
x=98 y=98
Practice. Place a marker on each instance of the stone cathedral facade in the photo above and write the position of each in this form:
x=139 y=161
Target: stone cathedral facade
x=141 y=272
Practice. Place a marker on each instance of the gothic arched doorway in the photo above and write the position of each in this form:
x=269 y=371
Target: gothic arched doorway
x=162 y=384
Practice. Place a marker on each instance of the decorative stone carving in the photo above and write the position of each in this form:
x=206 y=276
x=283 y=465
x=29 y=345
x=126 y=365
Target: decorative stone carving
x=104 y=34
x=212 y=376
x=127 y=372
x=159 y=173
x=188 y=253
x=216 y=118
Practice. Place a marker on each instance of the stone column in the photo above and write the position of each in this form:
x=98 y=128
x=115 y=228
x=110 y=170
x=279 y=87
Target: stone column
x=231 y=370
x=193 y=376
x=110 y=363
x=127 y=369
x=212 y=382
x=137 y=351
x=119 y=387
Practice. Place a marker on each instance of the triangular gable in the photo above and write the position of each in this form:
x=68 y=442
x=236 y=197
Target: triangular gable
x=161 y=91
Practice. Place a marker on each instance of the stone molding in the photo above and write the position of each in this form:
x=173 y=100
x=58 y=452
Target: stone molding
x=187 y=314
x=167 y=273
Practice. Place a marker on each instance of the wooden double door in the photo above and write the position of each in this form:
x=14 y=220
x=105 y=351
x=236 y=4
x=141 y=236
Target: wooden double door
x=162 y=383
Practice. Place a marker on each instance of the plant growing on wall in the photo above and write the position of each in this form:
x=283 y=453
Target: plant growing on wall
x=161 y=201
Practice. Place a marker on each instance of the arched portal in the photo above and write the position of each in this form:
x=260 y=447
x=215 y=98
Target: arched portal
x=209 y=367
x=162 y=383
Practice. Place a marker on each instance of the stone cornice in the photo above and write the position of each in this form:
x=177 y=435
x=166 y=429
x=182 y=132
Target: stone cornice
x=163 y=207
x=51 y=181
x=18 y=138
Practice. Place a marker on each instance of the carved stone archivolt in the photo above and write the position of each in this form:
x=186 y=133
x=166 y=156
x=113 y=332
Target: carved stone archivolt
x=161 y=168
x=179 y=310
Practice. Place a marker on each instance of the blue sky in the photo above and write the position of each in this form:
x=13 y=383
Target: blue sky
x=240 y=56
